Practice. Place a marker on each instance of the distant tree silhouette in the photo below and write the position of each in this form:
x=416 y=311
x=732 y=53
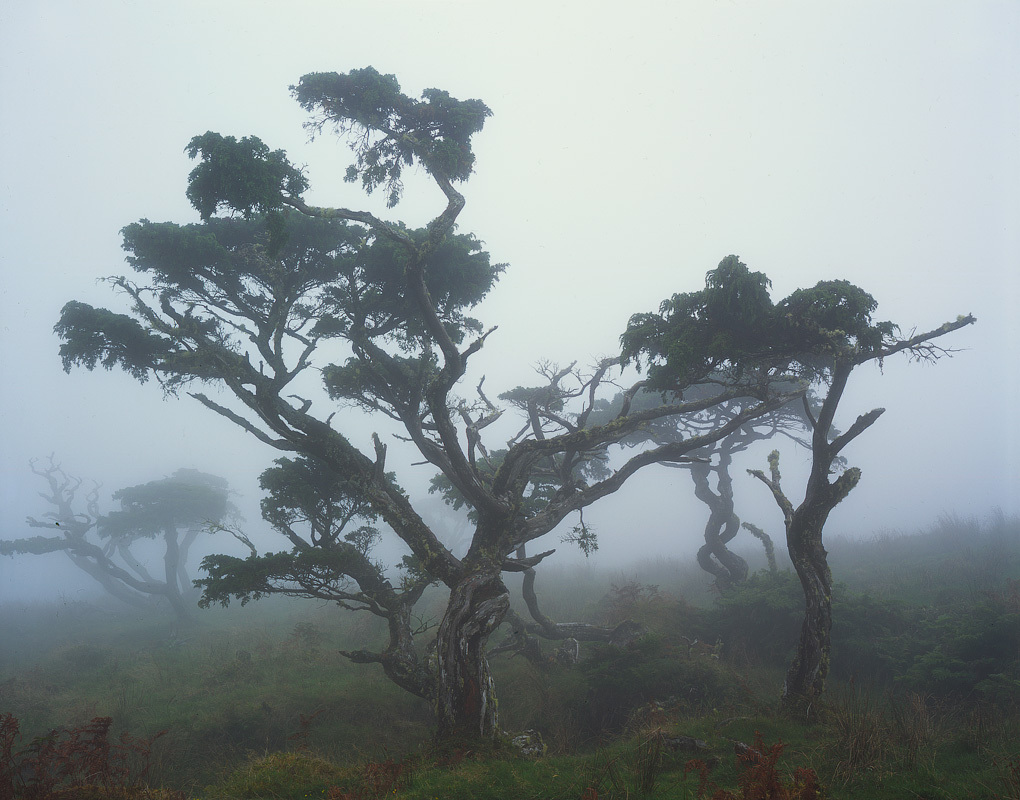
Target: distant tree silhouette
x=710 y=466
x=175 y=510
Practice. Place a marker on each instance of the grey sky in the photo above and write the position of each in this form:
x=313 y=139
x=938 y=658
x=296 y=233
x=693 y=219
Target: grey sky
x=630 y=150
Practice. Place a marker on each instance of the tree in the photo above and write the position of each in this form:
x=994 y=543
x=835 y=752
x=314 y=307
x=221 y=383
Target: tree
x=280 y=279
x=723 y=524
x=330 y=560
x=820 y=334
x=176 y=509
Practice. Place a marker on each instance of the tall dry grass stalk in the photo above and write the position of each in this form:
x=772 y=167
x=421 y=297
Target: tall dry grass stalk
x=859 y=736
x=916 y=728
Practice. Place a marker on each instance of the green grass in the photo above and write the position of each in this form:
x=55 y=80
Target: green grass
x=230 y=686
x=256 y=702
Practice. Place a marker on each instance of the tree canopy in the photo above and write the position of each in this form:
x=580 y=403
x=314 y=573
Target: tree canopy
x=733 y=324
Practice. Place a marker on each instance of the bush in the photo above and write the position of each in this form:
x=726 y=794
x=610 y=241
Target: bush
x=280 y=775
x=758 y=620
x=620 y=680
x=968 y=652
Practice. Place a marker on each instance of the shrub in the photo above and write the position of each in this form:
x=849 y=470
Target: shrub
x=621 y=680
x=759 y=619
x=968 y=652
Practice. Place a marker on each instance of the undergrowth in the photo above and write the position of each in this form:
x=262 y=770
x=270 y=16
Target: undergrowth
x=257 y=702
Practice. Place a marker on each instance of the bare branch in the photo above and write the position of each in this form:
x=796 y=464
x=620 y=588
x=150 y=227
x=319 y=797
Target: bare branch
x=237 y=419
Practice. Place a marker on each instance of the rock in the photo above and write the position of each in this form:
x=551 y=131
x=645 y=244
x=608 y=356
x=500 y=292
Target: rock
x=529 y=744
x=568 y=653
x=686 y=743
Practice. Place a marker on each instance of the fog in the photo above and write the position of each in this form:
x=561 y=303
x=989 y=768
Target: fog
x=629 y=151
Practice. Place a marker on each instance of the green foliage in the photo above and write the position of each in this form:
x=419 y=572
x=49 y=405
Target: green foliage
x=315 y=572
x=331 y=278
x=304 y=492
x=732 y=324
x=244 y=176
x=370 y=296
x=758 y=619
x=584 y=536
x=622 y=679
x=94 y=336
x=227 y=258
x=293 y=776
x=833 y=316
x=699 y=332
x=363 y=382
x=390 y=130
x=971 y=651
x=314 y=508
x=186 y=499
x=546 y=397
x=245 y=682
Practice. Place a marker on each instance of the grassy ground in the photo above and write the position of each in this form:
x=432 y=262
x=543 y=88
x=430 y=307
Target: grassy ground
x=256 y=702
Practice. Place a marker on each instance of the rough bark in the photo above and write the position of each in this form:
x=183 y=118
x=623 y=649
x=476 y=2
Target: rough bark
x=400 y=660
x=465 y=701
x=171 y=562
x=805 y=678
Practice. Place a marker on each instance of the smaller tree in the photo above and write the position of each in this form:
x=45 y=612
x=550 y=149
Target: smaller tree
x=319 y=512
x=828 y=484
x=176 y=510
x=712 y=464
x=821 y=335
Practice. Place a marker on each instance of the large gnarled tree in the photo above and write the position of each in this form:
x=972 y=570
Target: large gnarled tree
x=246 y=302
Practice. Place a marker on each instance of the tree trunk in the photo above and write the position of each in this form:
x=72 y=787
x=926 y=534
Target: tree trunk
x=187 y=588
x=805 y=679
x=171 y=560
x=465 y=701
x=723 y=524
x=400 y=660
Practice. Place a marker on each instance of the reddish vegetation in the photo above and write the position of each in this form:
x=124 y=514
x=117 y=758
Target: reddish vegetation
x=760 y=779
x=66 y=760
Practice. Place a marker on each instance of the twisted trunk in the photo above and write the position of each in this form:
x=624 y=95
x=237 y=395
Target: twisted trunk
x=171 y=563
x=400 y=660
x=723 y=524
x=805 y=678
x=465 y=700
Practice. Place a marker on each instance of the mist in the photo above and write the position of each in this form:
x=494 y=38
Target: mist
x=628 y=153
